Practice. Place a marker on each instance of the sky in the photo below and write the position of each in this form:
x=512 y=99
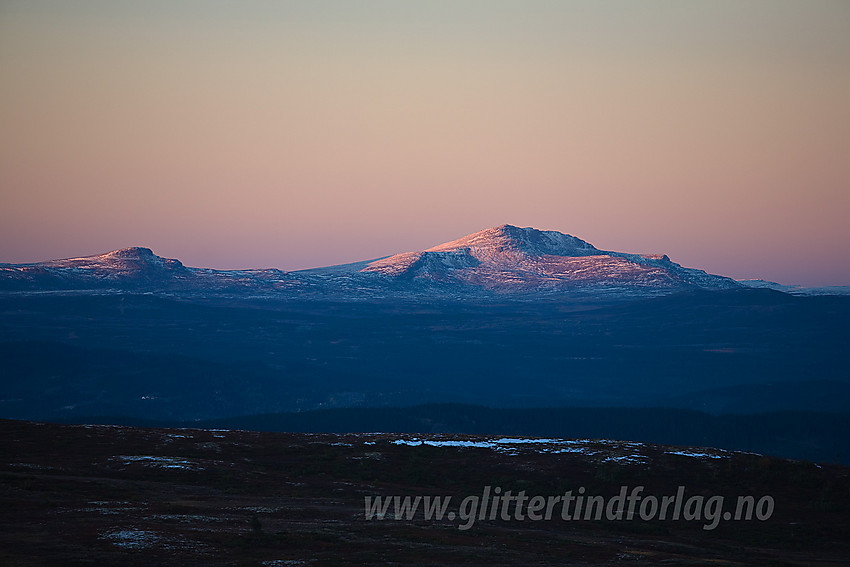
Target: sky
x=290 y=134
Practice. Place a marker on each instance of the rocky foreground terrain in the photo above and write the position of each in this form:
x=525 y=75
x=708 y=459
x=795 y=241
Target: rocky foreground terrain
x=106 y=495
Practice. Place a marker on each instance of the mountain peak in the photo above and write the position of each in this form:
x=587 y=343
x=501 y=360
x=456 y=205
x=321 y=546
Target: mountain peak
x=512 y=258
x=132 y=253
x=137 y=256
x=509 y=238
x=122 y=260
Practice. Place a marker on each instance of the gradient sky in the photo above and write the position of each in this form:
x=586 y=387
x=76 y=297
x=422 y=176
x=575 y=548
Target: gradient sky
x=236 y=134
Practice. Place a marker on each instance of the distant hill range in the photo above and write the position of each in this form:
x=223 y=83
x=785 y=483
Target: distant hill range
x=511 y=318
x=501 y=260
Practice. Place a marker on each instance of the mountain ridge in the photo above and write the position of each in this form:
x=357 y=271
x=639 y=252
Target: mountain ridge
x=505 y=259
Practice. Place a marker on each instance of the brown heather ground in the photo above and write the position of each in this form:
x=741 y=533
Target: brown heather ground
x=67 y=497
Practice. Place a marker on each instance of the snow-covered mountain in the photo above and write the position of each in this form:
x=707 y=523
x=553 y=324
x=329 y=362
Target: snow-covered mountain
x=503 y=260
x=508 y=258
x=122 y=263
x=134 y=269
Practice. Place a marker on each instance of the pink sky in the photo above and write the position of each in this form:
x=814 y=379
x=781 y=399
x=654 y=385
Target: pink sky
x=300 y=134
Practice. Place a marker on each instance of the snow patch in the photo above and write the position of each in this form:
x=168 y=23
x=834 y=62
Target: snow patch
x=159 y=462
x=696 y=454
x=132 y=538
